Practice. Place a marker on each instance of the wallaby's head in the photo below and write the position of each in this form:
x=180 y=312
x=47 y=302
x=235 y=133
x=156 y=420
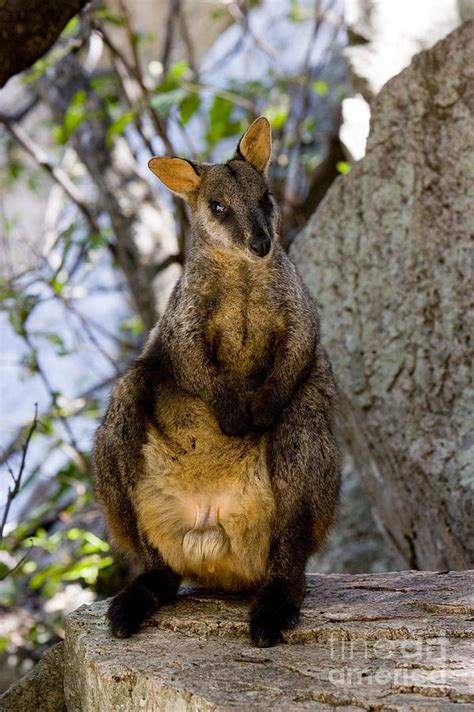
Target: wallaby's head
x=232 y=207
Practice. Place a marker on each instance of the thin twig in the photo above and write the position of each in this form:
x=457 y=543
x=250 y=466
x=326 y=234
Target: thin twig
x=133 y=74
x=242 y=19
x=157 y=119
x=53 y=395
x=58 y=175
x=90 y=334
x=187 y=39
x=221 y=93
x=173 y=6
x=16 y=567
x=15 y=442
x=20 y=114
x=13 y=491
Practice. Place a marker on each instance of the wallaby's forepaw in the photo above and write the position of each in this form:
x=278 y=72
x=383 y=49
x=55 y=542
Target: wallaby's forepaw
x=126 y=615
x=140 y=599
x=232 y=415
x=266 y=409
x=272 y=613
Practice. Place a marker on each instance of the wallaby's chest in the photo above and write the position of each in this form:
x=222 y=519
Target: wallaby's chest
x=243 y=329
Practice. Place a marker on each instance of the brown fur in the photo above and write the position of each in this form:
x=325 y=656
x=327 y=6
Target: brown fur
x=216 y=459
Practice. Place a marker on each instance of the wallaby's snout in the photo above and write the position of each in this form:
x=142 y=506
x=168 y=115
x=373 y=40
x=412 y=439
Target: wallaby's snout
x=231 y=204
x=261 y=245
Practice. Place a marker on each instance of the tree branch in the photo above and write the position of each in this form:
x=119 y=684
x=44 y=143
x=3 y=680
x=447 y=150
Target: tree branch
x=13 y=491
x=57 y=174
x=29 y=29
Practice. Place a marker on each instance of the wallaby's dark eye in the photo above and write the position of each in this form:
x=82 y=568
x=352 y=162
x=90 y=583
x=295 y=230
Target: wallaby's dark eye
x=217 y=208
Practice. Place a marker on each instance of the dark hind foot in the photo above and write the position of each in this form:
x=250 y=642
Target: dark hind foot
x=273 y=611
x=142 y=597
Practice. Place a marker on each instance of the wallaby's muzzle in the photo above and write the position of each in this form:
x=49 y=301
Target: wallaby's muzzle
x=261 y=246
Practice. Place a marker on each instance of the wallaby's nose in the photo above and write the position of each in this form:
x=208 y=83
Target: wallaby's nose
x=261 y=245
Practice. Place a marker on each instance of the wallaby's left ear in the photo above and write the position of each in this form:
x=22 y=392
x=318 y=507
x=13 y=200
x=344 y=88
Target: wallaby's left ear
x=177 y=174
x=255 y=146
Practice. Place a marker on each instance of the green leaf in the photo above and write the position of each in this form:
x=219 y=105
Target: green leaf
x=56 y=340
x=73 y=118
x=30 y=361
x=104 y=14
x=164 y=102
x=343 y=167
x=295 y=14
x=177 y=71
x=133 y=325
x=118 y=126
x=189 y=106
x=221 y=124
x=20 y=312
x=277 y=112
x=320 y=87
x=96 y=240
x=42 y=64
x=71 y=29
x=56 y=285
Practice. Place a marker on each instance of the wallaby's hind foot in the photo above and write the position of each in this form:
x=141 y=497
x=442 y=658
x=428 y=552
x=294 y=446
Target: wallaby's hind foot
x=273 y=612
x=140 y=599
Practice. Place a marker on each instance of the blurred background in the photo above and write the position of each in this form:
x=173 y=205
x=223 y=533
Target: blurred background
x=91 y=246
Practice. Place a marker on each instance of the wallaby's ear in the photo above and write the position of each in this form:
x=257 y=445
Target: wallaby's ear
x=177 y=174
x=255 y=146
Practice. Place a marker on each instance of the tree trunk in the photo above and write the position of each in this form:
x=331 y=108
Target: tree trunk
x=28 y=28
x=387 y=257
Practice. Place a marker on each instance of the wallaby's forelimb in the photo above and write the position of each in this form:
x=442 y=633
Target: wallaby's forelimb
x=293 y=354
x=140 y=599
x=192 y=367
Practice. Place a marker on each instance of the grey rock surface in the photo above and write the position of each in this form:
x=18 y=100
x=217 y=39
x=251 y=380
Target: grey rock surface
x=394 y=641
x=388 y=256
x=42 y=690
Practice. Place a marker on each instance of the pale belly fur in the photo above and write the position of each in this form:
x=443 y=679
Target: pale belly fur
x=205 y=500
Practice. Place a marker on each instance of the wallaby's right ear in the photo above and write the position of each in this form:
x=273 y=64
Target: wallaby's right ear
x=255 y=146
x=179 y=175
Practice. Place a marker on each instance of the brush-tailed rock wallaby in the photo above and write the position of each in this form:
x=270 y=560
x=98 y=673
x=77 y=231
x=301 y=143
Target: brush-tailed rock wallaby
x=216 y=460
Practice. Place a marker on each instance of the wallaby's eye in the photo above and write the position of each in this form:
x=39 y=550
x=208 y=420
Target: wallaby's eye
x=217 y=208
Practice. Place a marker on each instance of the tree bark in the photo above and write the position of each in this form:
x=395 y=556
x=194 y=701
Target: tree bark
x=28 y=28
x=387 y=255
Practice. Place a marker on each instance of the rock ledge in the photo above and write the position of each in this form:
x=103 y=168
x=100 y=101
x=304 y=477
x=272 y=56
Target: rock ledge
x=393 y=641
x=397 y=641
